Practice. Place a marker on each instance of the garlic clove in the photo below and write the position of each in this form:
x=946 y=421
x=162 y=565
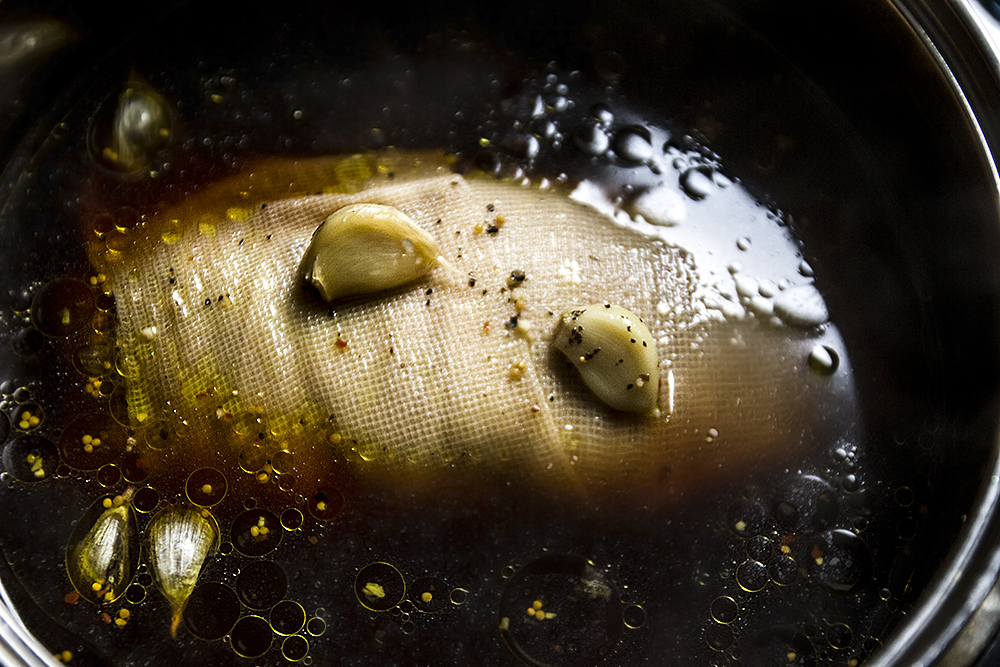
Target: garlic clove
x=366 y=249
x=102 y=559
x=615 y=354
x=180 y=541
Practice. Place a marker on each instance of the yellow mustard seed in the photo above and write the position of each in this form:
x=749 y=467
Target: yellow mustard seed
x=426 y=596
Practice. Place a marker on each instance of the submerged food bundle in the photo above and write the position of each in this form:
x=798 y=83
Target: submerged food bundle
x=426 y=406
x=431 y=323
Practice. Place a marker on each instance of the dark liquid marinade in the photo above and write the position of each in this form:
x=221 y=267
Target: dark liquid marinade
x=807 y=562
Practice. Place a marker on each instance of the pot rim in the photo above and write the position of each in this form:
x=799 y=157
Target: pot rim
x=957 y=614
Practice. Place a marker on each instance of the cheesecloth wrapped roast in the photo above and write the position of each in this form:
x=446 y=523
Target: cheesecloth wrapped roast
x=454 y=371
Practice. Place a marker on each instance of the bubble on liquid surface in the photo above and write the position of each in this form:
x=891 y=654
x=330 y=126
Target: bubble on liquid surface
x=697 y=182
x=591 y=139
x=824 y=360
x=62 y=306
x=256 y=532
x=261 y=584
x=287 y=617
x=633 y=144
x=747 y=517
x=725 y=610
x=30 y=458
x=752 y=576
x=805 y=503
x=840 y=561
x=379 y=586
x=251 y=637
x=211 y=611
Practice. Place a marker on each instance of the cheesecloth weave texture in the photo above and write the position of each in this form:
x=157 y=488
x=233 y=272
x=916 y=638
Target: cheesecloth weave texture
x=435 y=373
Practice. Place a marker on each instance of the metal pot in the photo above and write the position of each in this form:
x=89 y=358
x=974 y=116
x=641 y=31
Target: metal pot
x=868 y=123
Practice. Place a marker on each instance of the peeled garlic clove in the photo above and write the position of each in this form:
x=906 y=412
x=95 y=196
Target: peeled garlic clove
x=615 y=354
x=364 y=249
x=180 y=541
x=102 y=561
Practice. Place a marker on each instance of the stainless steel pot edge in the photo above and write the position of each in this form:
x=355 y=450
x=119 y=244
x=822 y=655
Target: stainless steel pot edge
x=958 y=614
x=18 y=647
